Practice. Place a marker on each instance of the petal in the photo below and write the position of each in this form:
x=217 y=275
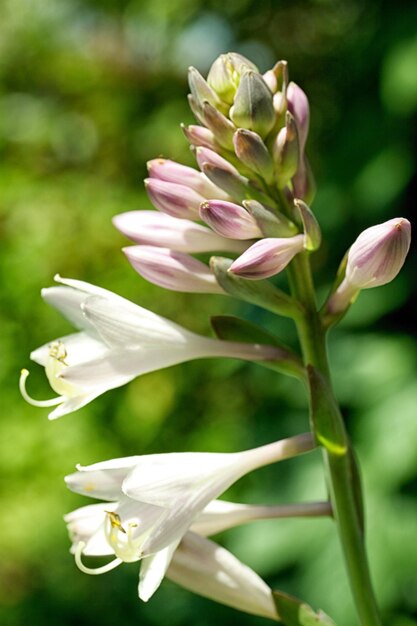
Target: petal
x=125 y=323
x=153 y=569
x=209 y=570
x=101 y=480
x=80 y=347
x=86 y=524
x=68 y=302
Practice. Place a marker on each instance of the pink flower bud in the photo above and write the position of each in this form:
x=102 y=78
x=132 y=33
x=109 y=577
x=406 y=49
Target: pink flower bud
x=159 y=229
x=267 y=257
x=229 y=219
x=299 y=107
x=172 y=172
x=176 y=200
x=374 y=259
x=199 y=136
x=172 y=270
x=205 y=156
x=378 y=254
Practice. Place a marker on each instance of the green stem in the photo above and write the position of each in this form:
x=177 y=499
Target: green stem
x=328 y=427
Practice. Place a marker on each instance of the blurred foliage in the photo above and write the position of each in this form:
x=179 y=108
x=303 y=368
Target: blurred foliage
x=90 y=90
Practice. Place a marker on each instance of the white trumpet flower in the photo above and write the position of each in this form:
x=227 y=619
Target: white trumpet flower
x=156 y=498
x=118 y=340
x=196 y=564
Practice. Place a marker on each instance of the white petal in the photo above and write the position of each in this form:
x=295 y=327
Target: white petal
x=153 y=569
x=87 y=288
x=184 y=484
x=86 y=524
x=121 y=366
x=164 y=479
x=207 y=569
x=68 y=301
x=80 y=347
x=104 y=482
x=127 y=324
x=73 y=404
x=219 y=515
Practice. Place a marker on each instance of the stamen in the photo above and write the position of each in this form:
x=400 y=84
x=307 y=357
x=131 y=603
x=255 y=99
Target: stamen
x=115 y=521
x=42 y=403
x=94 y=571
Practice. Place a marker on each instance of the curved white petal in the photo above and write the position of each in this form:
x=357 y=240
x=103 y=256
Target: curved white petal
x=67 y=301
x=123 y=323
x=80 y=347
x=153 y=569
x=209 y=570
x=86 y=524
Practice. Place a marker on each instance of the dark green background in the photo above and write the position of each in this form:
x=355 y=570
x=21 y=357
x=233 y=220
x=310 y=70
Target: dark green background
x=91 y=90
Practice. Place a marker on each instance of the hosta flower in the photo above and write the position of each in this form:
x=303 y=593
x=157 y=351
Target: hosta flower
x=197 y=564
x=118 y=340
x=374 y=259
x=154 y=499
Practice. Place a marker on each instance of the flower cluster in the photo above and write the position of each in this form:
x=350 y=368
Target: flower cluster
x=248 y=199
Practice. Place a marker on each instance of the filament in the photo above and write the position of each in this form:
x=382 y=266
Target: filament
x=41 y=403
x=93 y=571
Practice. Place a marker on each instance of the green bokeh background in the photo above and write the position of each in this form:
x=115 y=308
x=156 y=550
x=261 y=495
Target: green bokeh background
x=89 y=91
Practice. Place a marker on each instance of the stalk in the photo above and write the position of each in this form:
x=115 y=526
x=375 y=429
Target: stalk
x=328 y=427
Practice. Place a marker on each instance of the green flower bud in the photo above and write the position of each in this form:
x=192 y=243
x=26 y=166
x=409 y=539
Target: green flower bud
x=202 y=92
x=224 y=75
x=286 y=152
x=253 y=153
x=221 y=127
x=253 y=104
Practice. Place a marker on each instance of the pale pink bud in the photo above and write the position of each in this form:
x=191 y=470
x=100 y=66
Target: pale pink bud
x=374 y=259
x=176 y=200
x=172 y=172
x=159 y=229
x=378 y=254
x=229 y=219
x=267 y=257
x=199 y=136
x=299 y=107
x=205 y=156
x=172 y=270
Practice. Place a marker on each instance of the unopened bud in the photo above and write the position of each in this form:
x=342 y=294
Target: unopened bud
x=176 y=200
x=303 y=182
x=224 y=74
x=205 y=156
x=271 y=222
x=202 y=92
x=300 y=109
x=199 y=136
x=312 y=232
x=234 y=185
x=221 y=127
x=229 y=220
x=253 y=105
x=172 y=270
x=379 y=253
x=286 y=152
x=374 y=259
x=154 y=228
x=172 y=172
x=251 y=150
x=267 y=257
x=277 y=77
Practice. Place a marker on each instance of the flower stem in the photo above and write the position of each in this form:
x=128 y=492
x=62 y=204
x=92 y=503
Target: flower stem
x=328 y=427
